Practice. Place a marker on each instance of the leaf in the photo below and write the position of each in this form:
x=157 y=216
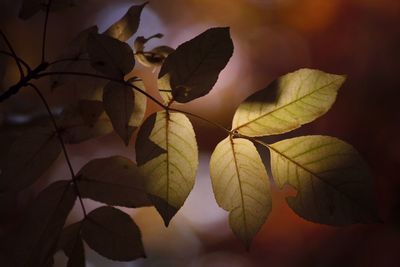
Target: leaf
x=195 y=65
x=333 y=183
x=3 y=68
x=28 y=158
x=76 y=51
x=115 y=181
x=164 y=88
x=71 y=242
x=154 y=57
x=241 y=186
x=83 y=122
x=110 y=56
x=125 y=111
x=37 y=239
x=126 y=26
x=167 y=156
x=287 y=103
x=113 y=234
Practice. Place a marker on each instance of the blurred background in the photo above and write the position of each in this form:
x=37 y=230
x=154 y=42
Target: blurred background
x=359 y=38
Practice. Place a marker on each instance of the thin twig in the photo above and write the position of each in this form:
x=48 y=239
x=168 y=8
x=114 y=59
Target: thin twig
x=62 y=145
x=46 y=20
x=21 y=72
x=104 y=78
x=67 y=59
x=28 y=68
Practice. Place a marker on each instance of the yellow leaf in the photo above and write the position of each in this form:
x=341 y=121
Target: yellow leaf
x=287 y=103
x=167 y=156
x=241 y=186
x=333 y=183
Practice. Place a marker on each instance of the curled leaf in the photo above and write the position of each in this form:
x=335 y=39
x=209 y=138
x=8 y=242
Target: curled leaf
x=113 y=234
x=167 y=156
x=240 y=184
x=195 y=65
x=287 y=103
x=333 y=183
x=114 y=181
x=126 y=26
x=154 y=57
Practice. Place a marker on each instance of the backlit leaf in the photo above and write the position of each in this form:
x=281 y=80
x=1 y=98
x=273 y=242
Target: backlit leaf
x=115 y=181
x=164 y=87
x=287 y=103
x=85 y=121
x=166 y=153
x=113 y=234
x=37 y=239
x=241 y=186
x=154 y=57
x=333 y=183
x=125 y=111
x=127 y=26
x=195 y=65
x=28 y=158
x=110 y=56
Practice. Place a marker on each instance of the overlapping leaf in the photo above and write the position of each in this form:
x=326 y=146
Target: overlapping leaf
x=154 y=57
x=286 y=104
x=113 y=234
x=195 y=65
x=126 y=26
x=114 y=181
x=110 y=56
x=125 y=107
x=71 y=243
x=37 y=239
x=28 y=158
x=85 y=121
x=332 y=181
x=240 y=184
x=166 y=153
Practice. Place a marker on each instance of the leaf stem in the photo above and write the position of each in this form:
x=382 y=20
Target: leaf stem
x=21 y=72
x=73 y=176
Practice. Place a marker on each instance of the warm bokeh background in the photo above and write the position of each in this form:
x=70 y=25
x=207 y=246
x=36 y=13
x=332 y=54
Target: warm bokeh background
x=359 y=38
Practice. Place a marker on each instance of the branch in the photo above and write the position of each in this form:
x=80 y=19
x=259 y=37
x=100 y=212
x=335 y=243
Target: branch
x=53 y=120
x=17 y=58
x=46 y=20
x=21 y=72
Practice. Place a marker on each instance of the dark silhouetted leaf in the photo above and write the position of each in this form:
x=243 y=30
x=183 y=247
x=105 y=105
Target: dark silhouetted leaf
x=113 y=234
x=37 y=240
x=28 y=158
x=127 y=26
x=195 y=65
x=3 y=65
x=78 y=61
x=125 y=111
x=115 y=181
x=31 y=7
x=110 y=56
x=241 y=186
x=83 y=122
x=286 y=104
x=71 y=243
x=333 y=183
x=167 y=155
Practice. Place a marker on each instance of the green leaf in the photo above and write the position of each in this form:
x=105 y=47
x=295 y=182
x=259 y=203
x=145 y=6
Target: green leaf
x=241 y=186
x=37 y=239
x=287 y=103
x=125 y=111
x=333 y=183
x=85 y=121
x=115 y=181
x=167 y=155
x=195 y=65
x=126 y=26
x=113 y=234
x=110 y=56
x=71 y=243
x=28 y=158
x=76 y=52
